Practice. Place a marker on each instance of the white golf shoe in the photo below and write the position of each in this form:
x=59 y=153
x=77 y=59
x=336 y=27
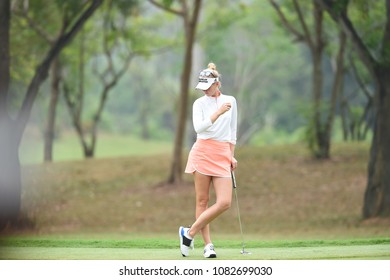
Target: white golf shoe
x=185 y=241
x=209 y=251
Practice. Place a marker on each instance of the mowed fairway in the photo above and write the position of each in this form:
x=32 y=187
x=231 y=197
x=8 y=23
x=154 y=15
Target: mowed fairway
x=361 y=252
x=100 y=250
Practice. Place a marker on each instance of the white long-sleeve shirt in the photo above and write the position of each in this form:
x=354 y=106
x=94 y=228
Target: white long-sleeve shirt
x=224 y=129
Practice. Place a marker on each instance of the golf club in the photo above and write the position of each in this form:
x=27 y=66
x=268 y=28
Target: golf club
x=239 y=217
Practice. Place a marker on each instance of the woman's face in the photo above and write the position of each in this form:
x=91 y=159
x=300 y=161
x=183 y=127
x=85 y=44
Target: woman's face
x=212 y=90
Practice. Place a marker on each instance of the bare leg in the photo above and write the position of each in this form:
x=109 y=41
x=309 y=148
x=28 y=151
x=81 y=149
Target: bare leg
x=202 y=190
x=223 y=192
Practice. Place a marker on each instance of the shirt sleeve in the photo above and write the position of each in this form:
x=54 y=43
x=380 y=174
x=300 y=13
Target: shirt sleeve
x=200 y=121
x=233 y=122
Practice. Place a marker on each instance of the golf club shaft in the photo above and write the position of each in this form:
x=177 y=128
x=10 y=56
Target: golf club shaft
x=238 y=210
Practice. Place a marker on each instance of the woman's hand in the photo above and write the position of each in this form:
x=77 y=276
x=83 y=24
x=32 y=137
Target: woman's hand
x=221 y=110
x=224 y=108
x=234 y=163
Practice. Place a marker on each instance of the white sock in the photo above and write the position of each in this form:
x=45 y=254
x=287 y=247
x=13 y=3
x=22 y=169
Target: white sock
x=186 y=234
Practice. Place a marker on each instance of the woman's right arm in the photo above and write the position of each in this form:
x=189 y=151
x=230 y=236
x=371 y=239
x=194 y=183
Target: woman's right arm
x=201 y=123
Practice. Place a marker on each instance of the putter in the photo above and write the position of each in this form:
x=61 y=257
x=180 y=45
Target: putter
x=243 y=252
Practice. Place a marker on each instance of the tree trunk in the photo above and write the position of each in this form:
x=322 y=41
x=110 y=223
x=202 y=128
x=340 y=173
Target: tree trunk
x=190 y=23
x=322 y=128
x=10 y=182
x=336 y=89
x=176 y=167
x=377 y=195
x=51 y=118
x=5 y=18
x=144 y=116
x=319 y=149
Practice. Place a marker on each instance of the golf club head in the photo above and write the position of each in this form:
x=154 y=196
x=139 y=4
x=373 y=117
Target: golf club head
x=243 y=252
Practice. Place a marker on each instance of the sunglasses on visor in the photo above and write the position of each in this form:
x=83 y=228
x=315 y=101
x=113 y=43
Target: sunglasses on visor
x=207 y=73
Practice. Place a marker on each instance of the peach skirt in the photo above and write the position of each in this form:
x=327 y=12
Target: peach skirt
x=210 y=157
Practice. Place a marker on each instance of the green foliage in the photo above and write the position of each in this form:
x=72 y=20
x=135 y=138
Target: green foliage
x=313 y=129
x=219 y=16
x=356 y=113
x=368 y=17
x=127 y=7
x=27 y=47
x=340 y=6
x=69 y=6
x=362 y=7
x=167 y=3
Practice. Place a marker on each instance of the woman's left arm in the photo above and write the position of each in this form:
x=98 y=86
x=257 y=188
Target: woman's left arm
x=234 y=161
x=233 y=131
x=233 y=122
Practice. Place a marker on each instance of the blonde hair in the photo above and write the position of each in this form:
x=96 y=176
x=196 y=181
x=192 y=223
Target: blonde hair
x=213 y=67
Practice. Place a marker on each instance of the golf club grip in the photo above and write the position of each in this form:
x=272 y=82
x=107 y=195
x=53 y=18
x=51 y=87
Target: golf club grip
x=234 y=180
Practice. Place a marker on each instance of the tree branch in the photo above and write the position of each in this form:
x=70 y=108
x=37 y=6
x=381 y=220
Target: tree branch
x=303 y=23
x=35 y=26
x=195 y=15
x=344 y=22
x=386 y=35
x=299 y=36
x=338 y=80
x=167 y=9
x=358 y=78
x=74 y=115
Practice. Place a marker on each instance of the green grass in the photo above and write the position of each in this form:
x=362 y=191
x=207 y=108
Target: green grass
x=164 y=249
x=360 y=252
x=68 y=147
x=164 y=243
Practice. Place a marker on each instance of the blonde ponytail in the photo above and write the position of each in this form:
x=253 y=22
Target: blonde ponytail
x=212 y=66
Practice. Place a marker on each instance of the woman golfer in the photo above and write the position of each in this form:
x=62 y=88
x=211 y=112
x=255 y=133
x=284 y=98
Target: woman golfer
x=211 y=158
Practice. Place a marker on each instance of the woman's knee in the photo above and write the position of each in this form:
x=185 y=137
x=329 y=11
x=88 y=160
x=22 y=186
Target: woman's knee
x=202 y=201
x=224 y=205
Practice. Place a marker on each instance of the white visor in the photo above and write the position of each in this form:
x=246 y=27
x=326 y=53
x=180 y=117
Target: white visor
x=205 y=83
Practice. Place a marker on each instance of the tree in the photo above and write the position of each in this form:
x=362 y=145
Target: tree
x=114 y=41
x=122 y=35
x=11 y=129
x=190 y=20
x=321 y=122
x=356 y=121
x=22 y=10
x=376 y=58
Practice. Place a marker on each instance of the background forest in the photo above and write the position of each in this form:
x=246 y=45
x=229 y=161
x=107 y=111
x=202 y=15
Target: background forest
x=107 y=79
x=262 y=65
